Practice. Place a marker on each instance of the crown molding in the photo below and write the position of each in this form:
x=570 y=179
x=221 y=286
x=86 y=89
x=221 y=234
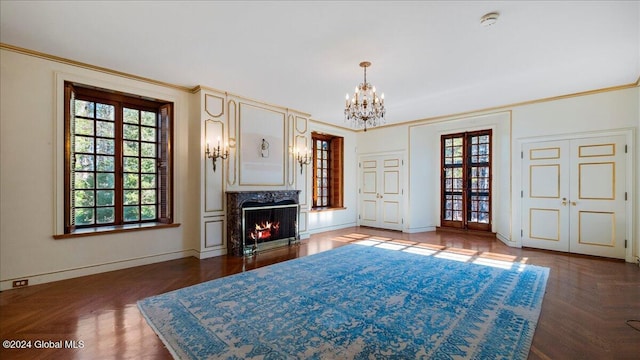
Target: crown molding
x=192 y=90
x=195 y=89
x=325 y=123
x=509 y=106
x=206 y=88
x=89 y=66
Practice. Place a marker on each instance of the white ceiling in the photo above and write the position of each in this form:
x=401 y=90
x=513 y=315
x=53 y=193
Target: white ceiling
x=430 y=58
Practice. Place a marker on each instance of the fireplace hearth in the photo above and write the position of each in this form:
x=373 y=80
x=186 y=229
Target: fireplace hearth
x=261 y=220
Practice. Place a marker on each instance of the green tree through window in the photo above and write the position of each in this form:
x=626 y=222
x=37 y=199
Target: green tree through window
x=117 y=159
x=466 y=180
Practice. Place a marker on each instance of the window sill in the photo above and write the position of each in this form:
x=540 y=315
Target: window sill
x=313 y=210
x=114 y=230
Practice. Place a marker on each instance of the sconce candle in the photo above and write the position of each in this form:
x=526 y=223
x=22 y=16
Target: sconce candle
x=303 y=159
x=217 y=153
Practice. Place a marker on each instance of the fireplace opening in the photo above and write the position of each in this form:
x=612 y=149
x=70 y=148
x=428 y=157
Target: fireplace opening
x=265 y=226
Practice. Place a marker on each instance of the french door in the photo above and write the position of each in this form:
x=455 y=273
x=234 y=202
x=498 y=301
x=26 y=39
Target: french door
x=381 y=193
x=466 y=180
x=573 y=196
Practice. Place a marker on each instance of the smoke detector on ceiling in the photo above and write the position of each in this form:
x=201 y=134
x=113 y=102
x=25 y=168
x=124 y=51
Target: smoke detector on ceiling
x=489 y=19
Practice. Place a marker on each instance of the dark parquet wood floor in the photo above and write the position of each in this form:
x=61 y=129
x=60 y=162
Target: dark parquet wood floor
x=583 y=314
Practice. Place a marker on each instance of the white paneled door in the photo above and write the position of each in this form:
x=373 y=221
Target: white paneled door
x=573 y=196
x=381 y=192
x=546 y=195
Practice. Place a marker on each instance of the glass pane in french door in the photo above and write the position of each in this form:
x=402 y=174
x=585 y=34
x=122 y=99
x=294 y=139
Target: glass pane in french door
x=479 y=179
x=453 y=181
x=466 y=180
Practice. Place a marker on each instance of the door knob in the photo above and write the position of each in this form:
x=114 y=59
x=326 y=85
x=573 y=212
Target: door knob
x=573 y=203
x=564 y=201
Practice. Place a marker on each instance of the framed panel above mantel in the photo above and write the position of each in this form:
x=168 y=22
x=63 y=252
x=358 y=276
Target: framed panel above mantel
x=262 y=146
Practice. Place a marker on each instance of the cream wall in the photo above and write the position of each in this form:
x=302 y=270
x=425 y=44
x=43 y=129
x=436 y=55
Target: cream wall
x=607 y=111
x=31 y=182
x=380 y=140
x=242 y=124
x=340 y=218
x=424 y=184
x=421 y=141
x=616 y=110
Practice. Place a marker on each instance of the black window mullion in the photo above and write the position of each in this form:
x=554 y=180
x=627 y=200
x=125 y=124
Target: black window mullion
x=102 y=185
x=475 y=198
x=326 y=188
x=322 y=163
x=119 y=166
x=452 y=180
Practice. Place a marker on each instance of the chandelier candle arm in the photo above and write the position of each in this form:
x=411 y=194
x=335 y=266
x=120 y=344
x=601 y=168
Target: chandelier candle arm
x=365 y=109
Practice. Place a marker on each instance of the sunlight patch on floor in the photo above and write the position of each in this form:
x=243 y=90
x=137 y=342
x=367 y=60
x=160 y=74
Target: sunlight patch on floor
x=420 y=251
x=392 y=246
x=502 y=261
x=367 y=242
x=452 y=256
x=357 y=236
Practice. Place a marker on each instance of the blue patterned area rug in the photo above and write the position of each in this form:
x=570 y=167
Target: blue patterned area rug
x=355 y=302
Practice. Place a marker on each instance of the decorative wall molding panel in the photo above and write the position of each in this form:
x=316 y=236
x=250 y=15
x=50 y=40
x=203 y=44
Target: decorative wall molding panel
x=261 y=139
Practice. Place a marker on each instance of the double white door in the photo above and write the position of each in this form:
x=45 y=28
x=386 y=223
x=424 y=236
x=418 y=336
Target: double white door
x=573 y=198
x=380 y=191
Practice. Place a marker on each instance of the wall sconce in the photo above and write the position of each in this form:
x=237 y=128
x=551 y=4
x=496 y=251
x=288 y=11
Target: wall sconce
x=264 y=148
x=303 y=159
x=217 y=153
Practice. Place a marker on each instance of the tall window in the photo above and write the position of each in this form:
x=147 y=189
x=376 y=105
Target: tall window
x=117 y=159
x=327 y=171
x=322 y=172
x=466 y=180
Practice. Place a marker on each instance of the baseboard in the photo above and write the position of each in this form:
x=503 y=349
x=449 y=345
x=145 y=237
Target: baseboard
x=330 y=228
x=210 y=253
x=43 y=278
x=507 y=241
x=419 y=229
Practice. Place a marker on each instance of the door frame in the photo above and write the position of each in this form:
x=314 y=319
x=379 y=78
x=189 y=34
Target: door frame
x=403 y=182
x=630 y=179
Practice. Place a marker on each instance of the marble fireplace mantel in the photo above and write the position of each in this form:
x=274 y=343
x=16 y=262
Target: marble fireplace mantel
x=236 y=200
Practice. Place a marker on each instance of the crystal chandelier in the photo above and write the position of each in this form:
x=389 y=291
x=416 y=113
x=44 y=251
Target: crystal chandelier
x=365 y=109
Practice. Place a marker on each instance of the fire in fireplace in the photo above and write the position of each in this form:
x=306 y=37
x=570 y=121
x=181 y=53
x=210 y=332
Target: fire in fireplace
x=264 y=230
x=268 y=226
